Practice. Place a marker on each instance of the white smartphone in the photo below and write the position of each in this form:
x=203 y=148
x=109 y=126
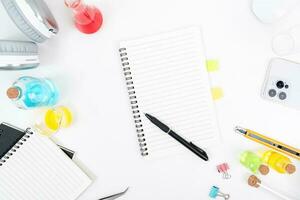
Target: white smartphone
x=282 y=83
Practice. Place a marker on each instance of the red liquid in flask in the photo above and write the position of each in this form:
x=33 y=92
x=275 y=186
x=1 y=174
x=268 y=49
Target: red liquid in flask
x=88 y=19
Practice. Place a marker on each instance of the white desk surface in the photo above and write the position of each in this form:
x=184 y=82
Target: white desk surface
x=87 y=70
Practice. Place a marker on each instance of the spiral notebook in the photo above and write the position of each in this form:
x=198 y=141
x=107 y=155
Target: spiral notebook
x=32 y=167
x=166 y=76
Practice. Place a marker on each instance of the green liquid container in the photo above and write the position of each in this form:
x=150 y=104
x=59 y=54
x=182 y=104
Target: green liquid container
x=253 y=162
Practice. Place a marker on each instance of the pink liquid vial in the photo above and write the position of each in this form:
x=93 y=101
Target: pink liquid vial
x=88 y=19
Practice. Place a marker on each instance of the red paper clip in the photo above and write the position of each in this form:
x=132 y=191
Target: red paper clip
x=223 y=168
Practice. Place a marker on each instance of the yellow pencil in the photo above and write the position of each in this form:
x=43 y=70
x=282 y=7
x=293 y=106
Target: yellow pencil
x=269 y=142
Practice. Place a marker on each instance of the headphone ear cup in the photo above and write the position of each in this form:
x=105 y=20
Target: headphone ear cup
x=17 y=55
x=22 y=23
x=18 y=48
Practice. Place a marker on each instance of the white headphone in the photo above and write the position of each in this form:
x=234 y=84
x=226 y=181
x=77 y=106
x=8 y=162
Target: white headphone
x=36 y=21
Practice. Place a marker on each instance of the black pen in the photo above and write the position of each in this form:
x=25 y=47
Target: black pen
x=196 y=150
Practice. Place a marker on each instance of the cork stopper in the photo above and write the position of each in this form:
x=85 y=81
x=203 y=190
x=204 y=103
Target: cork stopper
x=290 y=168
x=13 y=92
x=263 y=169
x=253 y=181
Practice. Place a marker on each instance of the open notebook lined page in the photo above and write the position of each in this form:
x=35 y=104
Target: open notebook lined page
x=170 y=82
x=39 y=170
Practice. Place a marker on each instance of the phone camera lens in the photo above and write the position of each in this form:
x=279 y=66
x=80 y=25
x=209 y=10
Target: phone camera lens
x=280 y=84
x=282 y=95
x=286 y=86
x=272 y=93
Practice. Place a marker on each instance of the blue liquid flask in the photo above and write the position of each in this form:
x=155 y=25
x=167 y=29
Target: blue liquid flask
x=29 y=92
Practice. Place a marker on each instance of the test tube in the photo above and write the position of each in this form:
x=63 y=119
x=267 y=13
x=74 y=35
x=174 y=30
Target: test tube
x=253 y=181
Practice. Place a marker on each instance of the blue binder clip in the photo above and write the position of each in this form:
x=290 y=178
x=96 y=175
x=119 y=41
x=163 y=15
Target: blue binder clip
x=215 y=192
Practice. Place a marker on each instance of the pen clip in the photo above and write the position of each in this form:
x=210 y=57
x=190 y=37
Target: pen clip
x=199 y=149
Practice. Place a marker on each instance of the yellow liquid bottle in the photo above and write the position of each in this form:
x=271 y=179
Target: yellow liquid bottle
x=52 y=120
x=59 y=117
x=278 y=162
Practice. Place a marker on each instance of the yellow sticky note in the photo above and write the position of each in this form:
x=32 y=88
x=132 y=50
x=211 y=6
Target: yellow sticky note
x=217 y=93
x=212 y=65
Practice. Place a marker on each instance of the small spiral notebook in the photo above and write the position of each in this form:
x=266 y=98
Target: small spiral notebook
x=32 y=167
x=166 y=76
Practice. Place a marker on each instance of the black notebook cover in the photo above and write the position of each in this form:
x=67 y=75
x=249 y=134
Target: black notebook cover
x=9 y=136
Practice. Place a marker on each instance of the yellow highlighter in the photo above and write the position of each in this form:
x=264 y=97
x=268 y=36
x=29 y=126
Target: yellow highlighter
x=269 y=142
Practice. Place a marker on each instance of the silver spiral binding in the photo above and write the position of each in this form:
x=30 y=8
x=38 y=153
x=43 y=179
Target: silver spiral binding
x=15 y=148
x=133 y=102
